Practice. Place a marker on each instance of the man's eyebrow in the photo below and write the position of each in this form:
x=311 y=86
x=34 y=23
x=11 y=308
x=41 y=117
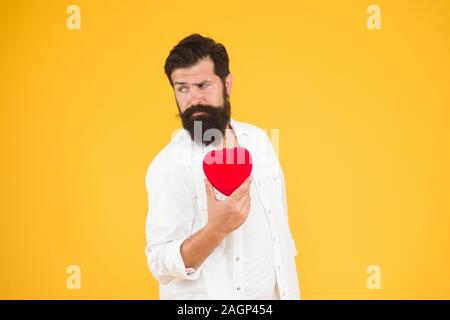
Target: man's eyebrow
x=195 y=84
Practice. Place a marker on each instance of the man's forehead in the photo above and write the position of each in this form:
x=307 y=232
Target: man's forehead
x=201 y=71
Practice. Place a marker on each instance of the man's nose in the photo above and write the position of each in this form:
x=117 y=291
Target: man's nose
x=196 y=98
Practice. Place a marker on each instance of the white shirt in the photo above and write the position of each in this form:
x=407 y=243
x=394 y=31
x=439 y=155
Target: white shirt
x=258 y=254
x=177 y=209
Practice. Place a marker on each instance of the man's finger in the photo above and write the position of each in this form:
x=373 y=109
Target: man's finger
x=244 y=201
x=246 y=208
x=244 y=198
x=210 y=194
x=243 y=188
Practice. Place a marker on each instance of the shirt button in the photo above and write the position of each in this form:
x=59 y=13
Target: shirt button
x=278 y=266
x=284 y=294
x=259 y=183
x=238 y=288
x=269 y=211
x=237 y=258
x=274 y=239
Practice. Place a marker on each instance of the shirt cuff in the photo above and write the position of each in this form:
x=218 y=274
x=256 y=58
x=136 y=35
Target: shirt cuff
x=182 y=273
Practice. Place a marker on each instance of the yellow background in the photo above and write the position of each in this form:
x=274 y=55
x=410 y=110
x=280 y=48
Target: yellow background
x=364 y=137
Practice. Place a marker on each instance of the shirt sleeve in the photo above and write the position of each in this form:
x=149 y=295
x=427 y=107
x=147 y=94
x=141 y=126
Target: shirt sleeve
x=169 y=221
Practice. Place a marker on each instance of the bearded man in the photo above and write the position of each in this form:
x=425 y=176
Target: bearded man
x=202 y=244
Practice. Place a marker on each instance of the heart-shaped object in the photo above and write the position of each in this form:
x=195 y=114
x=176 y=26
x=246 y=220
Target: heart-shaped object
x=227 y=168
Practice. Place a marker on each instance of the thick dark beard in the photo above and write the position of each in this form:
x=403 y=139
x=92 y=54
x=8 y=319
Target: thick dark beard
x=214 y=118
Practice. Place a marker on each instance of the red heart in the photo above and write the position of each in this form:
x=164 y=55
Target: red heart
x=227 y=168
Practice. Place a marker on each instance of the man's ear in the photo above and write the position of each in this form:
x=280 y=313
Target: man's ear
x=229 y=83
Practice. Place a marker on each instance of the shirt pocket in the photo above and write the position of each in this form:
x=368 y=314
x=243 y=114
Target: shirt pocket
x=268 y=182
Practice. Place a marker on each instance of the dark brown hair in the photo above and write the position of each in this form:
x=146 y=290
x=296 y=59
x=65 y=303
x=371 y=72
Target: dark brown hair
x=194 y=48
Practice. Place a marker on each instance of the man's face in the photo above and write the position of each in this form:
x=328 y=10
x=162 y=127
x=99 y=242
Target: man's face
x=201 y=96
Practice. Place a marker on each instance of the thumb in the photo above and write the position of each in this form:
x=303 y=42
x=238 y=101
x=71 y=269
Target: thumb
x=210 y=194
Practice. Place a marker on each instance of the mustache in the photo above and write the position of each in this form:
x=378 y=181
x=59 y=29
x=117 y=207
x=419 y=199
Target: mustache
x=208 y=109
x=213 y=117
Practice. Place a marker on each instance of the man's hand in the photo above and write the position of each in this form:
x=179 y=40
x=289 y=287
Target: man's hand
x=225 y=216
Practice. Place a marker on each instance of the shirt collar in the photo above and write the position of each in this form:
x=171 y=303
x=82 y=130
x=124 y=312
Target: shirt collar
x=239 y=129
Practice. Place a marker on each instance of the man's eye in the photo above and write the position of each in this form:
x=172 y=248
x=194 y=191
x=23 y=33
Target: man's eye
x=203 y=85
x=181 y=89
